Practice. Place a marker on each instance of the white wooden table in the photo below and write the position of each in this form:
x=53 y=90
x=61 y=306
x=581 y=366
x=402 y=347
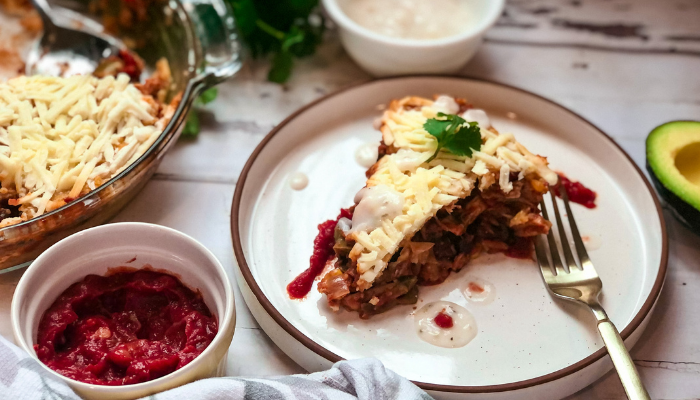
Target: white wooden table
x=627 y=66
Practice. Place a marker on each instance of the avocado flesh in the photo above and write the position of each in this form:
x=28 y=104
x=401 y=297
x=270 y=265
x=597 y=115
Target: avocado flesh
x=673 y=161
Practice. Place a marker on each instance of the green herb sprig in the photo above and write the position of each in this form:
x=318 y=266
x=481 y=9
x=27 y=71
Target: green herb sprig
x=286 y=29
x=192 y=126
x=454 y=134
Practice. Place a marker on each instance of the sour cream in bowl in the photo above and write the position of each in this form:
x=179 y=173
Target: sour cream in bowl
x=394 y=37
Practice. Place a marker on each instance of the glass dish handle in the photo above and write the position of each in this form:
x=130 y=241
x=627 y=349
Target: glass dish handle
x=215 y=27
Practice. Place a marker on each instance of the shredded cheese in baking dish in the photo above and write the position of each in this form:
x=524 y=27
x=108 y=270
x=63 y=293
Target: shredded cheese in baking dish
x=427 y=187
x=60 y=137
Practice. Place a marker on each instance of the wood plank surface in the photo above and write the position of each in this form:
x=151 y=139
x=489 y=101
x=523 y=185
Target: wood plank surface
x=627 y=66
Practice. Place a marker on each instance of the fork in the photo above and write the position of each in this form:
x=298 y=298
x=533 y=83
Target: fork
x=581 y=284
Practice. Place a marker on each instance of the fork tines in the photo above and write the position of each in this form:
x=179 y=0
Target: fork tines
x=540 y=248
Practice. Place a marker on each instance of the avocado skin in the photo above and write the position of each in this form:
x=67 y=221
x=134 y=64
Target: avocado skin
x=684 y=212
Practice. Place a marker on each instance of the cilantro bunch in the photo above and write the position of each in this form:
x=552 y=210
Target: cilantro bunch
x=285 y=29
x=454 y=134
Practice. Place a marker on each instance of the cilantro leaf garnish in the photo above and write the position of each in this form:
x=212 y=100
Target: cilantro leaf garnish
x=454 y=134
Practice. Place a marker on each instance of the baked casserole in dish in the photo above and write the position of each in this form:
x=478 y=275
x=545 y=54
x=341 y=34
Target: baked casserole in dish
x=74 y=151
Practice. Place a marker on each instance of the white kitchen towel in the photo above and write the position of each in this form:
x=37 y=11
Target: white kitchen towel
x=22 y=378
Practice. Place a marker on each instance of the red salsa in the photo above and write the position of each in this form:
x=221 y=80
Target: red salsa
x=323 y=251
x=443 y=320
x=576 y=192
x=124 y=328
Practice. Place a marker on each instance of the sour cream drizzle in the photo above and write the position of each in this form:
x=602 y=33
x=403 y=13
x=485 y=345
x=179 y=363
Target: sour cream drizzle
x=409 y=160
x=446 y=105
x=367 y=154
x=478 y=116
x=298 y=181
x=463 y=328
x=373 y=204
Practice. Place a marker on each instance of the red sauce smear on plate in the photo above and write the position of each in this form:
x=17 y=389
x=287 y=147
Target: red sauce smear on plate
x=443 y=320
x=124 y=328
x=475 y=288
x=576 y=191
x=323 y=251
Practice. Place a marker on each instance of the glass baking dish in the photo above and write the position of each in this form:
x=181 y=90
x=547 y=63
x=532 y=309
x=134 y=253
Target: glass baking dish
x=199 y=40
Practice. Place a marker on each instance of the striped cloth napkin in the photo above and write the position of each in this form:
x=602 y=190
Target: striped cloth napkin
x=22 y=378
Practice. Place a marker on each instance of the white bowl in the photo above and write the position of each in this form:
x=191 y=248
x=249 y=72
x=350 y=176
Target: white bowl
x=94 y=251
x=383 y=55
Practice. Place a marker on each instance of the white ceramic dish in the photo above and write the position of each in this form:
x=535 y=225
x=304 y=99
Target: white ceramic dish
x=382 y=55
x=94 y=251
x=528 y=345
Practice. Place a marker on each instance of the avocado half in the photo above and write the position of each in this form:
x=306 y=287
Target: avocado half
x=673 y=161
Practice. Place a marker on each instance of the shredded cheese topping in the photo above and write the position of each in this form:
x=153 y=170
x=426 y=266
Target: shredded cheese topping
x=428 y=187
x=60 y=137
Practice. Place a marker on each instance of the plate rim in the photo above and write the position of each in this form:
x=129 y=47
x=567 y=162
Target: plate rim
x=310 y=344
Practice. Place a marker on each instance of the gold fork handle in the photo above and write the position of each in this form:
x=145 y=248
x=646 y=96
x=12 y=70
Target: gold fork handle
x=623 y=362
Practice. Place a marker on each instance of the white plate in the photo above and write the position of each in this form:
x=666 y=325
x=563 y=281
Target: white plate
x=527 y=343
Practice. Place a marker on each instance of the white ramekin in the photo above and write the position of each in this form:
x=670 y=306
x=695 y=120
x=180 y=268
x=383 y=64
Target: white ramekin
x=383 y=55
x=94 y=251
